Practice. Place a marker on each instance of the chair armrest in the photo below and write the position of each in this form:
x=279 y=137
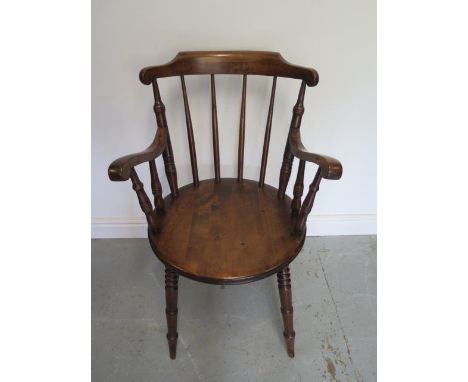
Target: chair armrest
x=120 y=169
x=330 y=167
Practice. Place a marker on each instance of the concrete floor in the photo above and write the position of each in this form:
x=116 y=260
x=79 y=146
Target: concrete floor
x=234 y=333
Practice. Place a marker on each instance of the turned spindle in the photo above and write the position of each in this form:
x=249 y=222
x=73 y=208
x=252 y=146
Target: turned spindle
x=214 y=128
x=190 y=137
x=288 y=157
x=266 y=140
x=240 y=154
x=284 y=287
x=298 y=188
x=143 y=199
x=168 y=156
x=308 y=202
x=285 y=171
x=156 y=186
x=171 y=279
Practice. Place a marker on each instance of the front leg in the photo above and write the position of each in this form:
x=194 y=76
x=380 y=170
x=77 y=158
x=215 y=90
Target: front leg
x=284 y=286
x=172 y=279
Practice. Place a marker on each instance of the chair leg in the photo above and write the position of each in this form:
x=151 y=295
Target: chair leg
x=172 y=279
x=284 y=286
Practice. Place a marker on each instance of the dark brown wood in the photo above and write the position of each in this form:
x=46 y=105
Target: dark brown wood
x=298 y=188
x=288 y=156
x=266 y=141
x=229 y=62
x=285 y=171
x=331 y=167
x=214 y=125
x=143 y=199
x=308 y=202
x=168 y=156
x=240 y=156
x=120 y=169
x=191 y=140
x=227 y=231
x=156 y=186
x=169 y=166
x=171 y=279
x=284 y=286
x=298 y=109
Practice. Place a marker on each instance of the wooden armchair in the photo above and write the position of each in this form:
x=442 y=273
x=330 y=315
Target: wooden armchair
x=221 y=230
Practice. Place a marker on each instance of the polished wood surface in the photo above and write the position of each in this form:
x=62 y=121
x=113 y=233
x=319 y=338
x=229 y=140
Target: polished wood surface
x=214 y=126
x=266 y=140
x=229 y=62
x=308 y=201
x=120 y=169
x=284 y=286
x=240 y=154
x=156 y=186
x=227 y=232
x=298 y=188
x=191 y=139
x=168 y=156
x=288 y=156
x=285 y=171
x=171 y=280
x=220 y=230
x=143 y=200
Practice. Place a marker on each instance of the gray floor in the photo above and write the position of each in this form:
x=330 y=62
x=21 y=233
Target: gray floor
x=234 y=333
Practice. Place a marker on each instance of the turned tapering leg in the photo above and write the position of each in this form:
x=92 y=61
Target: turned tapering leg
x=172 y=279
x=284 y=286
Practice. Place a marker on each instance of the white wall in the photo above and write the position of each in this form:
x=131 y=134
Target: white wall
x=338 y=38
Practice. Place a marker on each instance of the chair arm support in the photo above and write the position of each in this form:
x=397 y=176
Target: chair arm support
x=330 y=167
x=120 y=169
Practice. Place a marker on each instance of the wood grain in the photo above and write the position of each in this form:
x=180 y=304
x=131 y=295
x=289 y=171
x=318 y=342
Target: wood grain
x=227 y=233
x=229 y=62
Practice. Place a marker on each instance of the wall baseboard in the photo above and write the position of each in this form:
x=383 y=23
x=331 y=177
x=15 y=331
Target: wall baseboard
x=317 y=225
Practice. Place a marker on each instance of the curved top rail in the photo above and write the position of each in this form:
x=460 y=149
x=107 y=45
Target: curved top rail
x=229 y=62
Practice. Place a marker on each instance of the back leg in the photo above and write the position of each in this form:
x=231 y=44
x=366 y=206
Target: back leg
x=284 y=286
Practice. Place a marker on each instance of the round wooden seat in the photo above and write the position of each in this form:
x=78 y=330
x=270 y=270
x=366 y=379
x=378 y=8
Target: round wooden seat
x=227 y=232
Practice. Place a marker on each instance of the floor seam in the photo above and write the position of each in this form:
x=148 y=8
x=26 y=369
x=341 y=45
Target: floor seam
x=356 y=373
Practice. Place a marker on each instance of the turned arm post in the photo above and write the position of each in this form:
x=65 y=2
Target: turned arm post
x=168 y=156
x=308 y=202
x=143 y=199
x=288 y=156
x=298 y=188
x=285 y=171
x=156 y=187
